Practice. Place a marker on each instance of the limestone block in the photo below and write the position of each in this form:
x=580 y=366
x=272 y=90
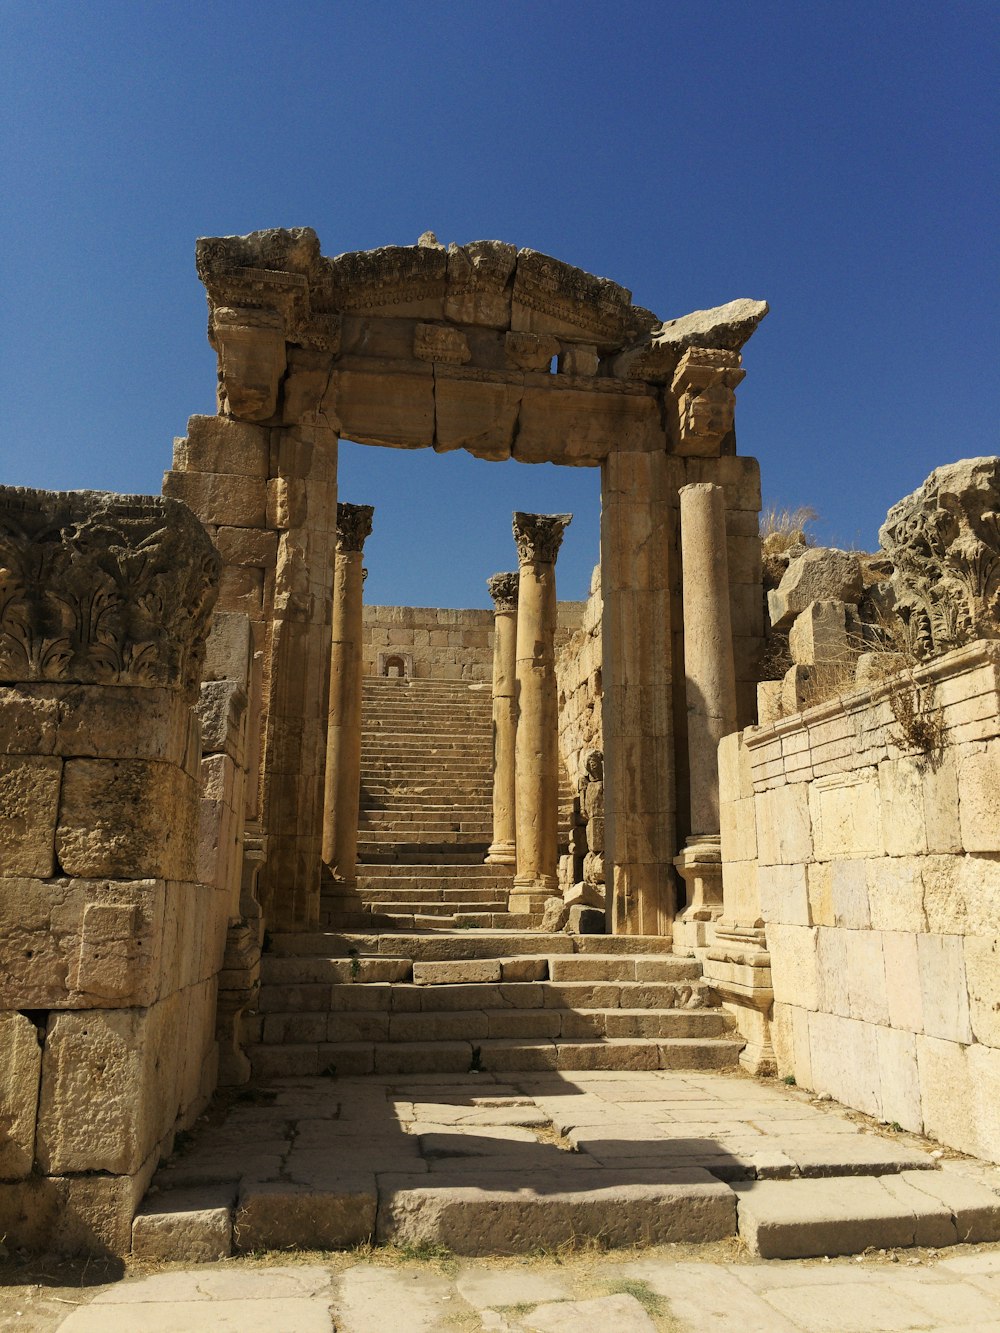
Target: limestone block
x=127 y=723
x=530 y=351
x=784 y=895
x=238 y=502
x=818 y=636
x=475 y=411
x=982 y=973
x=784 y=830
x=735 y=774
x=818 y=574
x=902 y=980
x=79 y=943
x=247 y=546
x=222 y=445
x=29 y=803
x=979 y=796
x=901 y=790
x=221 y=709
x=793 y=951
x=334 y=1213
x=849 y=894
x=820 y=886
x=229 y=648
x=252 y=358
x=562 y=423
x=896 y=892
x=898 y=1081
x=770 y=695
x=866 y=985
x=578 y=359
x=477 y=291
x=740 y=892
x=939 y=782
x=846 y=815
x=984 y=1078
x=127 y=818
x=242 y=590
x=833 y=968
x=947 y=1097
x=20 y=1074
x=186 y=1226
x=845 y=1061
x=960 y=893
x=376 y=407
x=943 y=988
x=795 y=693
x=306 y=382
x=27 y=721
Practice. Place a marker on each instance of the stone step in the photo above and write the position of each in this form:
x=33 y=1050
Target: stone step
x=429 y=908
x=405 y=876
x=484 y=1024
x=385 y=822
x=497 y=944
x=472 y=922
x=287 y=988
x=459 y=893
x=420 y=855
x=308 y=1059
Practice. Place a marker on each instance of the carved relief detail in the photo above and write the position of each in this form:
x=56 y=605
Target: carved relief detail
x=539 y=536
x=704 y=398
x=435 y=342
x=354 y=524
x=503 y=590
x=103 y=589
x=944 y=543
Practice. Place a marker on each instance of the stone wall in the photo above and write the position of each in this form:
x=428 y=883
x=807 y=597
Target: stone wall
x=578 y=673
x=864 y=835
x=442 y=644
x=110 y=945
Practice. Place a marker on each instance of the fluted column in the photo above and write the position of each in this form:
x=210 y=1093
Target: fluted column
x=342 y=793
x=711 y=698
x=536 y=750
x=503 y=590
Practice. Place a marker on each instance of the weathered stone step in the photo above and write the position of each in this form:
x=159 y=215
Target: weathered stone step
x=405 y=876
x=435 y=910
x=471 y=922
x=420 y=855
x=484 y=1024
x=460 y=893
x=497 y=944
x=289 y=989
x=299 y=1060
x=384 y=822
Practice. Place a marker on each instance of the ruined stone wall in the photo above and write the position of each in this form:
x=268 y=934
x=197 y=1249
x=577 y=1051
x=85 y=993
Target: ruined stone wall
x=110 y=945
x=441 y=643
x=578 y=673
x=866 y=838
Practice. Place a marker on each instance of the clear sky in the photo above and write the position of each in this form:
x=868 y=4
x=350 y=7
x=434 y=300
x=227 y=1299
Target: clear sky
x=838 y=160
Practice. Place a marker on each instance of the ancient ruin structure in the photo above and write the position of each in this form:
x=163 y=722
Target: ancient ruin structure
x=250 y=828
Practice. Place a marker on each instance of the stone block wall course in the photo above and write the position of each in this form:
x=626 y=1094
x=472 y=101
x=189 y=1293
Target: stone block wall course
x=877 y=884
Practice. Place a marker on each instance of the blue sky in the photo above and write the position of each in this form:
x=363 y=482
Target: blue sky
x=837 y=159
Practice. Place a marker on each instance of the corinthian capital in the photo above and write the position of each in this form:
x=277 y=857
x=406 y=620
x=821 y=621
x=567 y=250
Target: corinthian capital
x=503 y=590
x=539 y=536
x=354 y=524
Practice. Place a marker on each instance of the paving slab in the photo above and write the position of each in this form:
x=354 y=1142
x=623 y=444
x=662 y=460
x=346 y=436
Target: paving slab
x=621 y=1313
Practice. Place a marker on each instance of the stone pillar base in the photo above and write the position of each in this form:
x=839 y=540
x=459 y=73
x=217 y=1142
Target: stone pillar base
x=700 y=867
x=532 y=895
x=501 y=854
x=738 y=966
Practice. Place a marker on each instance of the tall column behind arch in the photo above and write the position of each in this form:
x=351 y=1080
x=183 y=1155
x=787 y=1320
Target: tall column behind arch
x=503 y=590
x=536 y=751
x=342 y=795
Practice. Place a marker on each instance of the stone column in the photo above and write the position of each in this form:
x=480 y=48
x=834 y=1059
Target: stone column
x=536 y=752
x=503 y=590
x=710 y=679
x=343 y=733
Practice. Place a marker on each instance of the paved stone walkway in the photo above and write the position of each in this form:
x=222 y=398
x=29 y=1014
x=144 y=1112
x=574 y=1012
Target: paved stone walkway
x=581 y=1294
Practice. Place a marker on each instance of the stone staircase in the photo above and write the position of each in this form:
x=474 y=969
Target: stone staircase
x=426 y=812
x=483 y=1000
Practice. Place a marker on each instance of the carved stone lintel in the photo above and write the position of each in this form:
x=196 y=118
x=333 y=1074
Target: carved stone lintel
x=354 y=524
x=436 y=342
x=596 y=307
x=539 y=536
x=103 y=589
x=944 y=543
x=703 y=398
x=503 y=590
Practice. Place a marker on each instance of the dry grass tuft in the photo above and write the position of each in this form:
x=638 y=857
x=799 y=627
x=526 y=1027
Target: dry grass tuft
x=782 y=528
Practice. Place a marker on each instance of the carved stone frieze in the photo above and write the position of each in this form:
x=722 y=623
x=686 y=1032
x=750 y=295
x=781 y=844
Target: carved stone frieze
x=436 y=342
x=597 y=308
x=703 y=399
x=479 y=276
x=354 y=525
x=539 y=536
x=390 y=276
x=944 y=544
x=503 y=590
x=103 y=589
x=530 y=351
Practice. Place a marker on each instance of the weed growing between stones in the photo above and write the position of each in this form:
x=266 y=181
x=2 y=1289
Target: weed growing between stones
x=641 y=1291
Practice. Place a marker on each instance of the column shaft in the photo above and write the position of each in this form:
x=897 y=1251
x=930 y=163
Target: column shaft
x=503 y=589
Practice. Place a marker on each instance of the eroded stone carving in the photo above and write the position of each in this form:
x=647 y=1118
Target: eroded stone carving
x=944 y=543
x=703 y=395
x=354 y=524
x=539 y=536
x=596 y=307
x=434 y=342
x=103 y=589
x=503 y=590
x=724 y=328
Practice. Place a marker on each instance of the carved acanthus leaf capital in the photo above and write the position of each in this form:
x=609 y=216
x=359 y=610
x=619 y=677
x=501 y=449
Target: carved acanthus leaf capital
x=103 y=589
x=539 y=536
x=354 y=524
x=503 y=590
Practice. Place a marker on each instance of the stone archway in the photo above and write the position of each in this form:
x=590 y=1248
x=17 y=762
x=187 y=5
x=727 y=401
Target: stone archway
x=422 y=346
